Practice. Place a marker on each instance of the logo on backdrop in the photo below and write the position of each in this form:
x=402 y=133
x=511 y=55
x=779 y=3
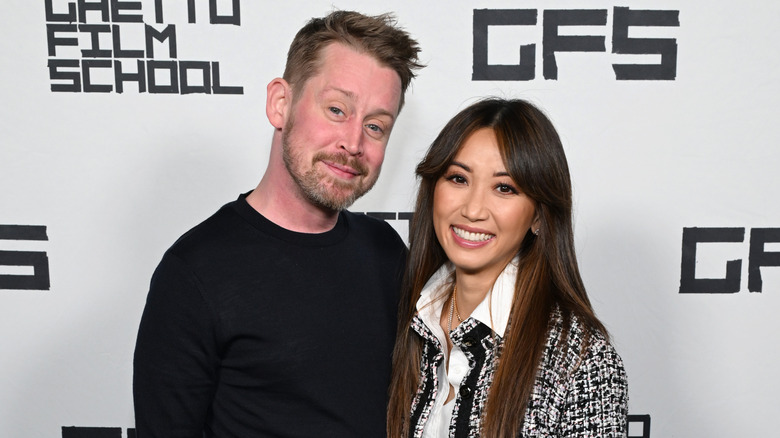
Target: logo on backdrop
x=758 y=257
x=389 y=216
x=95 y=432
x=638 y=426
x=115 y=48
x=23 y=270
x=556 y=39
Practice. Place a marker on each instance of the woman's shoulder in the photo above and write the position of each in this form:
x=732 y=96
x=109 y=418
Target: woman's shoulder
x=581 y=387
x=575 y=345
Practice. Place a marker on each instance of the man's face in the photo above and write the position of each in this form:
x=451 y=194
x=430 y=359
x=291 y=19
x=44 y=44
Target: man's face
x=335 y=137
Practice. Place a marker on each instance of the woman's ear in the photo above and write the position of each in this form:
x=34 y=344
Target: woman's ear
x=536 y=224
x=278 y=102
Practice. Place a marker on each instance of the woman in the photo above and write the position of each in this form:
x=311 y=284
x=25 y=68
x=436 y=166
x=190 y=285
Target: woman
x=498 y=337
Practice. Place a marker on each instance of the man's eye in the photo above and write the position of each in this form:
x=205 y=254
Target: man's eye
x=336 y=110
x=374 y=127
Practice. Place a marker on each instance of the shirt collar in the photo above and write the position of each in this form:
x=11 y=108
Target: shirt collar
x=498 y=301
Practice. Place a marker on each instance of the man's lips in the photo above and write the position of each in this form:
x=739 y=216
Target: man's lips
x=341 y=168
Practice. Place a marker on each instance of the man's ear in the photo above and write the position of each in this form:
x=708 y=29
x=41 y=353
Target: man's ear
x=278 y=102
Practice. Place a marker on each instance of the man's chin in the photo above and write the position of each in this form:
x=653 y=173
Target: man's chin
x=334 y=201
x=337 y=194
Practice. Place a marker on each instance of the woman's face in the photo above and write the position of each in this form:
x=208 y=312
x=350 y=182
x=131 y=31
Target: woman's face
x=479 y=214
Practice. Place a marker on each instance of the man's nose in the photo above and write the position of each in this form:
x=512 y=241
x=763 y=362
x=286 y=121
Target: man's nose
x=352 y=139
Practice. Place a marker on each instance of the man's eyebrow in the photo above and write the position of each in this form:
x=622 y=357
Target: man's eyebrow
x=351 y=95
x=347 y=93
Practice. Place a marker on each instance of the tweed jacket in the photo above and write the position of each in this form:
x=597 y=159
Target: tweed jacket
x=577 y=393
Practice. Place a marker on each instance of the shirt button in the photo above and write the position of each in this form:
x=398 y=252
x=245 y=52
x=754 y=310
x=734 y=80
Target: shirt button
x=465 y=391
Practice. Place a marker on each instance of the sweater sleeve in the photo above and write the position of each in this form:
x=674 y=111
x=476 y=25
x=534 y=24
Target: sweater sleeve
x=176 y=356
x=596 y=404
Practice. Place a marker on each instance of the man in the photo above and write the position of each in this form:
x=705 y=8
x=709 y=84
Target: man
x=276 y=316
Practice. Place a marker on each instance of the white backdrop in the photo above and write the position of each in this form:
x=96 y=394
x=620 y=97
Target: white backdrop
x=114 y=178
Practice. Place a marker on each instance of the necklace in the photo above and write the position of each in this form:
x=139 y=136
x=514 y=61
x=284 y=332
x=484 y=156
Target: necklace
x=453 y=308
x=455 y=302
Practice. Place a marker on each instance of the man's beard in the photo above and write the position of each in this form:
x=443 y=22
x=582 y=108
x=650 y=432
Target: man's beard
x=322 y=190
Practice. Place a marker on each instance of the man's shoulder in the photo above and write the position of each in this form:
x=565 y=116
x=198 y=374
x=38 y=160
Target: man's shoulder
x=372 y=229
x=209 y=233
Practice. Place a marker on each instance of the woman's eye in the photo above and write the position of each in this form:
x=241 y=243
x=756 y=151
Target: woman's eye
x=506 y=189
x=457 y=179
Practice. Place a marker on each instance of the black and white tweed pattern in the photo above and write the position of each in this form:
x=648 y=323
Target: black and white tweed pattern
x=428 y=387
x=578 y=393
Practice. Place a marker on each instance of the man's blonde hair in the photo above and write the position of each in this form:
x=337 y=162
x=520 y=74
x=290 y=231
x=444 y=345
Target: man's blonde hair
x=378 y=36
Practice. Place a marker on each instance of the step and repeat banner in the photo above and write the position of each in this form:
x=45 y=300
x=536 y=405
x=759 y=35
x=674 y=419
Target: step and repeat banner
x=125 y=123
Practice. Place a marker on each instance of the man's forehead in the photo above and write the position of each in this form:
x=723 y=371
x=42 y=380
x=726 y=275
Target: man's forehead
x=358 y=76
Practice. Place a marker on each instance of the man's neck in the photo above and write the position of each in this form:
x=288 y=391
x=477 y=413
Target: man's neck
x=279 y=200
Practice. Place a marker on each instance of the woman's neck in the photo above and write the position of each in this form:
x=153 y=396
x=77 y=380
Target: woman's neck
x=471 y=290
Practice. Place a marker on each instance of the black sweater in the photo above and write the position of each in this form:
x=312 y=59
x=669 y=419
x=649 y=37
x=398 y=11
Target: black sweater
x=252 y=330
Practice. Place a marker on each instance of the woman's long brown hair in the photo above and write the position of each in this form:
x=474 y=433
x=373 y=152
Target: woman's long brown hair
x=547 y=277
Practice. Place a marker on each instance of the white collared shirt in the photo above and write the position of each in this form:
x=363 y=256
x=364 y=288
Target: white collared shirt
x=497 y=301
